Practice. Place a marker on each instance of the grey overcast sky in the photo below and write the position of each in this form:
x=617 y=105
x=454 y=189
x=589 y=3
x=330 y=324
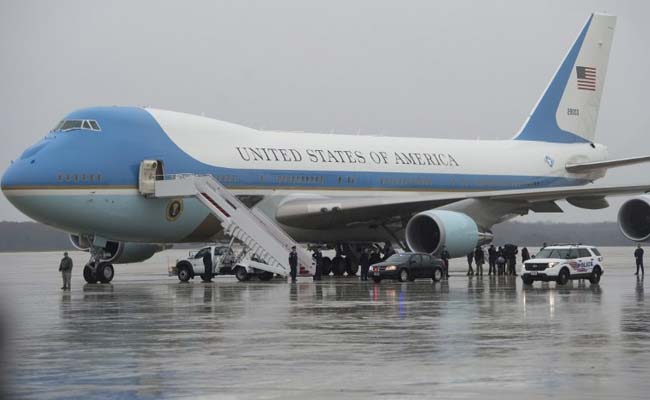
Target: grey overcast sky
x=454 y=69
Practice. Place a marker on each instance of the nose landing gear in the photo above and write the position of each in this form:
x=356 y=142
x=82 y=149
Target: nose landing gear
x=97 y=270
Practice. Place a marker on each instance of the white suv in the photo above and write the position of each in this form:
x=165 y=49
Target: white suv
x=563 y=262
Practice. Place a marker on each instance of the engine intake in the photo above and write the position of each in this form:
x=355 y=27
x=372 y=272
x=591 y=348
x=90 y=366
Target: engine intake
x=428 y=231
x=634 y=218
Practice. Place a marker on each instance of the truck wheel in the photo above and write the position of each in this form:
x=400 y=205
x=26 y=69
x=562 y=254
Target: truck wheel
x=89 y=275
x=595 y=275
x=265 y=276
x=184 y=273
x=105 y=272
x=241 y=274
x=326 y=266
x=527 y=280
x=563 y=277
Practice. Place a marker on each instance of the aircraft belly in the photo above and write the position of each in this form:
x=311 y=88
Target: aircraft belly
x=119 y=217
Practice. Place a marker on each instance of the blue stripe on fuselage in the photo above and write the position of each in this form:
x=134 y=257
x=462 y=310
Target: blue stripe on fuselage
x=130 y=135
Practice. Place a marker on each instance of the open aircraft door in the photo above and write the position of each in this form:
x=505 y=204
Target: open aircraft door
x=150 y=172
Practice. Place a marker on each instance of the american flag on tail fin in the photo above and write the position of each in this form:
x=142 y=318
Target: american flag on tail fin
x=586 y=78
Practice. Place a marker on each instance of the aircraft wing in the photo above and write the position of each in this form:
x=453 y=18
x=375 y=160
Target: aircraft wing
x=323 y=211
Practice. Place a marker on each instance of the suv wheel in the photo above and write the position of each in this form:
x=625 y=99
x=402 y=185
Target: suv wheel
x=563 y=277
x=595 y=275
x=527 y=280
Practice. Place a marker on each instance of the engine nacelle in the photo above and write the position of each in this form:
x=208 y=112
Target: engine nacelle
x=634 y=218
x=428 y=231
x=120 y=252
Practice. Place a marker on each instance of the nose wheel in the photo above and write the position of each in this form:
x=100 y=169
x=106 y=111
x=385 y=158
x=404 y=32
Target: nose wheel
x=104 y=272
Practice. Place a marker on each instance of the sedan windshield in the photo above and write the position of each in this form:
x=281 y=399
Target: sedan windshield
x=565 y=254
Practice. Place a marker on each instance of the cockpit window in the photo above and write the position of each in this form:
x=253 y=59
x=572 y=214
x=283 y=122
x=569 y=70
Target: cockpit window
x=70 y=124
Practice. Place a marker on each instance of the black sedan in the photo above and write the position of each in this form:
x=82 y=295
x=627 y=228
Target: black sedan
x=408 y=267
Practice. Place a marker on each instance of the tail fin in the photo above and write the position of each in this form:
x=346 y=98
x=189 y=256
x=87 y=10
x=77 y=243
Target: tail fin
x=568 y=110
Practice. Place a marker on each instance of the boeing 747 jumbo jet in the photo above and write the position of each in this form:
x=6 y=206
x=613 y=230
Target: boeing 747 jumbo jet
x=100 y=175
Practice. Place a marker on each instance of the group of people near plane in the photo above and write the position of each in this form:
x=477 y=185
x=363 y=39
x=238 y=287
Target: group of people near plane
x=501 y=260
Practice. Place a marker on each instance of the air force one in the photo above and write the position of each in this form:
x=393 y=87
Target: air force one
x=340 y=190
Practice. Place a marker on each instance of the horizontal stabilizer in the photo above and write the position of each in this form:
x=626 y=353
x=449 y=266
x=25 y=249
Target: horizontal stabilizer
x=621 y=162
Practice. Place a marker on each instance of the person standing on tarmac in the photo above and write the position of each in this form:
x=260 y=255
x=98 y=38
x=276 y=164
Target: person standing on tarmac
x=444 y=256
x=207 y=265
x=365 y=264
x=293 y=263
x=65 y=267
x=492 y=260
x=470 y=258
x=479 y=258
x=638 y=255
x=318 y=257
x=525 y=255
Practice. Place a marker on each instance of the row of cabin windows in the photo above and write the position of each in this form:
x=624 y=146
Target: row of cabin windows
x=406 y=181
x=79 y=177
x=299 y=179
x=227 y=178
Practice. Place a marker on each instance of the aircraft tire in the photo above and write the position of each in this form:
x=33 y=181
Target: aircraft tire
x=89 y=275
x=105 y=272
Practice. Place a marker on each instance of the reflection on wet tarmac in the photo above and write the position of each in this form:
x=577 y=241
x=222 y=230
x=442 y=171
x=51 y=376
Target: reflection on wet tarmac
x=148 y=336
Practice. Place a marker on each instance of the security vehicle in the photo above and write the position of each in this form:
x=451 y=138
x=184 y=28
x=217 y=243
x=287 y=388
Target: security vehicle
x=563 y=262
x=224 y=262
x=408 y=267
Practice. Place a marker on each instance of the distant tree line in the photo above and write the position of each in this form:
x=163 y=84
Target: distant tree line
x=32 y=236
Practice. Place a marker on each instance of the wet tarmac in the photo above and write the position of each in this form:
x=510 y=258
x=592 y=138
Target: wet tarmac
x=147 y=336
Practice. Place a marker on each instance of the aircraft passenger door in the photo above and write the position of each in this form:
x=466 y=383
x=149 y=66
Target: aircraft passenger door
x=150 y=172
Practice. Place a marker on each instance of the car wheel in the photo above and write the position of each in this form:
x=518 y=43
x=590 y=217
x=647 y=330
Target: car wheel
x=527 y=280
x=563 y=277
x=184 y=273
x=376 y=279
x=404 y=275
x=595 y=275
x=265 y=276
x=437 y=274
x=241 y=274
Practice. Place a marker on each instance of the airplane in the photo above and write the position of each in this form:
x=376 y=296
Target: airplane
x=331 y=189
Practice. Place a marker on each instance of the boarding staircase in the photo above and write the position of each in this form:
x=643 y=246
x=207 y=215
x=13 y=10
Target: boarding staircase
x=261 y=235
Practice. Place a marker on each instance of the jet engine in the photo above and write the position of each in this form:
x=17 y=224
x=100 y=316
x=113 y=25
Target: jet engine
x=120 y=252
x=634 y=218
x=428 y=231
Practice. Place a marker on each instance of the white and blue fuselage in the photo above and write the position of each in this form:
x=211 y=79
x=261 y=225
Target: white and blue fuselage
x=86 y=181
